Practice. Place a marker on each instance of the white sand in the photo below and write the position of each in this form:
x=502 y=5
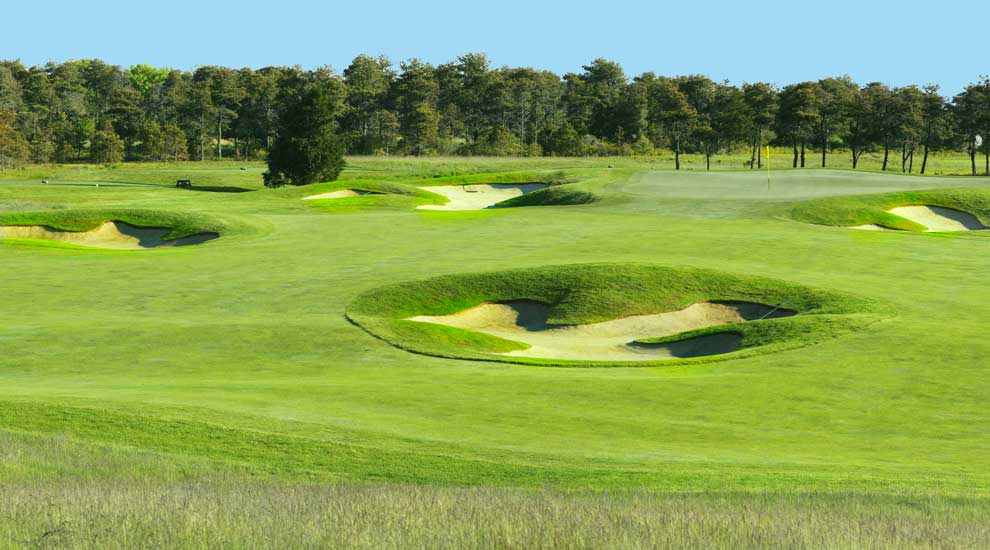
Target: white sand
x=525 y=321
x=339 y=194
x=871 y=227
x=937 y=218
x=116 y=235
x=478 y=197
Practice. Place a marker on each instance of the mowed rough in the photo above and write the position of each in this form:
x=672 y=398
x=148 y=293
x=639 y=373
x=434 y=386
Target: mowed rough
x=526 y=321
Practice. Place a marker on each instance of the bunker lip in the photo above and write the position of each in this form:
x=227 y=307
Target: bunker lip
x=478 y=196
x=526 y=321
x=605 y=315
x=116 y=235
x=341 y=193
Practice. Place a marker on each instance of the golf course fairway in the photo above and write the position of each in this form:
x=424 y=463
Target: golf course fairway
x=273 y=369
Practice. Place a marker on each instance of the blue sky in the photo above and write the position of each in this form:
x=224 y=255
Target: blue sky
x=777 y=41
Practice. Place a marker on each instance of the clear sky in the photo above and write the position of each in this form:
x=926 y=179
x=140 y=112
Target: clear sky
x=778 y=41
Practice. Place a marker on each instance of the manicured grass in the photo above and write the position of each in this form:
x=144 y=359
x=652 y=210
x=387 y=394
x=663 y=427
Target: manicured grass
x=592 y=293
x=872 y=209
x=222 y=364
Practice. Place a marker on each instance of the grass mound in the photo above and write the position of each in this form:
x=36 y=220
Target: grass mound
x=550 y=178
x=112 y=228
x=347 y=195
x=557 y=195
x=587 y=294
x=874 y=210
x=550 y=188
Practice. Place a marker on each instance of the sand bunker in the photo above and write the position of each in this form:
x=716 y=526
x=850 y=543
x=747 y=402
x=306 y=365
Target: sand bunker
x=937 y=218
x=871 y=227
x=117 y=235
x=526 y=321
x=478 y=197
x=341 y=193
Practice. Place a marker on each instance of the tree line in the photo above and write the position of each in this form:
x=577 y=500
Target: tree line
x=88 y=110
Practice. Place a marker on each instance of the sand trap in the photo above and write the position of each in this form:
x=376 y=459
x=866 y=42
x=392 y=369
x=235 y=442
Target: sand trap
x=526 y=321
x=341 y=193
x=478 y=197
x=871 y=227
x=117 y=235
x=937 y=218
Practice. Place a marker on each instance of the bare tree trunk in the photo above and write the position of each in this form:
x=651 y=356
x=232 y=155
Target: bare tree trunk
x=677 y=155
x=219 y=138
x=752 y=156
x=802 y=154
x=911 y=162
x=855 y=157
x=708 y=161
x=759 y=149
x=924 y=161
x=886 y=154
x=795 y=155
x=972 y=159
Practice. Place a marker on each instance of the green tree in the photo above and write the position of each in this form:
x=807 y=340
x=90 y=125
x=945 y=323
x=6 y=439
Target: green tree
x=219 y=96
x=859 y=133
x=127 y=116
x=910 y=100
x=175 y=145
x=307 y=148
x=967 y=109
x=671 y=115
x=935 y=121
x=254 y=125
x=106 y=147
x=152 y=143
x=725 y=120
x=833 y=100
x=472 y=88
x=13 y=146
x=796 y=116
x=416 y=91
x=368 y=81
x=761 y=102
x=145 y=78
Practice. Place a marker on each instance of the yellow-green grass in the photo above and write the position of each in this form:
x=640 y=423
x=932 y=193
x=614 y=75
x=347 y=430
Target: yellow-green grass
x=238 y=356
x=592 y=293
x=58 y=493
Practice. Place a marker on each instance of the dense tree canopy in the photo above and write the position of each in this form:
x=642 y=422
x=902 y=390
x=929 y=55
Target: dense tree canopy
x=307 y=148
x=87 y=110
